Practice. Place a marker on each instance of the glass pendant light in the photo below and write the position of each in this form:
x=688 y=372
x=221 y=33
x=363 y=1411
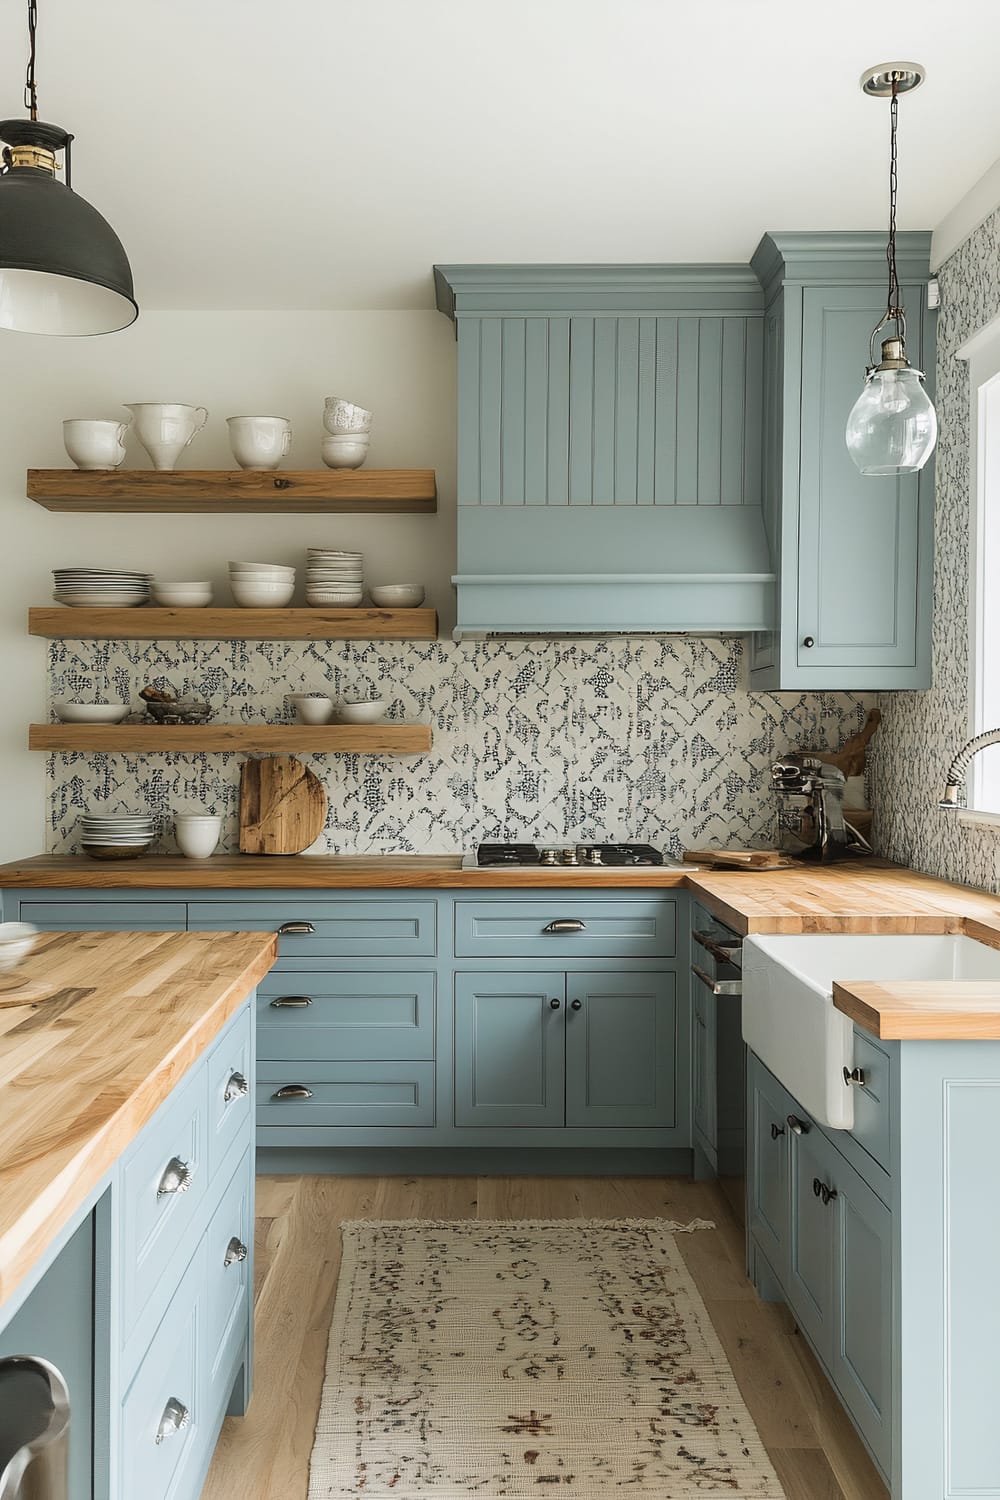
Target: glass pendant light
x=892 y=428
x=63 y=269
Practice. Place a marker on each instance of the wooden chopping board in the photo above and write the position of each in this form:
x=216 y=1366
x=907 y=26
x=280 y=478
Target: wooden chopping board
x=741 y=859
x=282 y=806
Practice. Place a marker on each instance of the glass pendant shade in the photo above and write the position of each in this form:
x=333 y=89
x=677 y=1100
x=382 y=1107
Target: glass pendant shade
x=892 y=428
x=63 y=270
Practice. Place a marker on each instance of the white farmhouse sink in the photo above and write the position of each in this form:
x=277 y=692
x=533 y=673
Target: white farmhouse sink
x=789 y=1019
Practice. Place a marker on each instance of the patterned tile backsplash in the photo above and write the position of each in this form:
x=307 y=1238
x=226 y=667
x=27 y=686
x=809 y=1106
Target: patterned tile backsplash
x=920 y=732
x=649 y=738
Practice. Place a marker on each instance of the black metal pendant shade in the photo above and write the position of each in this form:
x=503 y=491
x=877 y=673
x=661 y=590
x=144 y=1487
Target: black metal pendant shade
x=63 y=270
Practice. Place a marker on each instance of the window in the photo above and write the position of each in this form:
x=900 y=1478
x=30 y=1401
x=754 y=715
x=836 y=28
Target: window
x=983 y=353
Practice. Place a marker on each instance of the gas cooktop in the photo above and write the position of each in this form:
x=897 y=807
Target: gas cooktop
x=568 y=856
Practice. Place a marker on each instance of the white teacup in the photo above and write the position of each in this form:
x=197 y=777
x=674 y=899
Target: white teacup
x=95 y=444
x=164 y=428
x=259 y=442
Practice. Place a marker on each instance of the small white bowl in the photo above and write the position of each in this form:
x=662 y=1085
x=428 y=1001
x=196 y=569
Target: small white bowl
x=362 y=713
x=347 y=452
x=272 y=570
x=182 y=595
x=90 y=713
x=314 y=709
x=197 y=837
x=262 y=595
x=397 y=595
x=16 y=941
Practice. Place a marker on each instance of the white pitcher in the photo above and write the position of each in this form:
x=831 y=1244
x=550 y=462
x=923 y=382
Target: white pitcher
x=94 y=444
x=164 y=428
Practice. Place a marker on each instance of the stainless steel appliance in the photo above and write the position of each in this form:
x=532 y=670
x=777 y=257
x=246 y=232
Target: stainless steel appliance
x=811 y=823
x=718 y=963
x=34 y=1430
x=570 y=856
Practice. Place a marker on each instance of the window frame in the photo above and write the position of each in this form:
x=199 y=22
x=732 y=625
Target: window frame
x=983 y=355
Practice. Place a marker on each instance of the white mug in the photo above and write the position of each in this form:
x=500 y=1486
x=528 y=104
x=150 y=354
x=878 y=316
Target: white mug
x=259 y=442
x=95 y=444
x=164 y=428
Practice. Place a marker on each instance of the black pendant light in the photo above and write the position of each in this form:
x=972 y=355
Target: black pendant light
x=63 y=269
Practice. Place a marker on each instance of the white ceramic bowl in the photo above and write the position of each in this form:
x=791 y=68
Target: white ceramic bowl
x=397 y=595
x=90 y=713
x=314 y=710
x=16 y=941
x=197 y=837
x=362 y=713
x=282 y=569
x=182 y=595
x=341 y=415
x=262 y=595
x=345 y=452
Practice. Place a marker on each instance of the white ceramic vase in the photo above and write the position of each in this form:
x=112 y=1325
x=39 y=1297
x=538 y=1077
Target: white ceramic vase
x=96 y=444
x=259 y=442
x=164 y=428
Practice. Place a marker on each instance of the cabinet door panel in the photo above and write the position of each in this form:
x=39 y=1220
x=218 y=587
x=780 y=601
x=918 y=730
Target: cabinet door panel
x=810 y=1278
x=703 y=1066
x=509 y=1049
x=621 y=1049
x=861 y=1362
x=858 y=536
x=767 y=1169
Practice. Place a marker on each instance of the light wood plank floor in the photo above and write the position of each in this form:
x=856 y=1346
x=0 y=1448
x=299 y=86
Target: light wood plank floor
x=265 y=1456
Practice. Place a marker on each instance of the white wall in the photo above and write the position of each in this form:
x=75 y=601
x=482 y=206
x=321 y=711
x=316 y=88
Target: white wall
x=399 y=364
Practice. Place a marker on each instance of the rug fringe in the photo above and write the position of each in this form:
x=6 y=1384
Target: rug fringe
x=667 y=1226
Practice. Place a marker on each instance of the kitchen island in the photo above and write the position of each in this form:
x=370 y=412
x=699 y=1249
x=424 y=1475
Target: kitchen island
x=125 y=1153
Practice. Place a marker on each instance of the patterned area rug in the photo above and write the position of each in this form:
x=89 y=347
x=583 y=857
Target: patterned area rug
x=516 y=1358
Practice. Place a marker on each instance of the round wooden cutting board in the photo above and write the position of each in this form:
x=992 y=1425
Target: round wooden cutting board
x=282 y=806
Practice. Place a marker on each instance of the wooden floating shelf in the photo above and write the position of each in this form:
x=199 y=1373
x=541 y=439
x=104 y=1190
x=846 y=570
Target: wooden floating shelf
x=355 y=739
x=236 y=491
x=147 y=623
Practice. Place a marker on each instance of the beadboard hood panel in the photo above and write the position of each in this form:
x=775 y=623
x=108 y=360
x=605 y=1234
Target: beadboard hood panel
x=609 y=437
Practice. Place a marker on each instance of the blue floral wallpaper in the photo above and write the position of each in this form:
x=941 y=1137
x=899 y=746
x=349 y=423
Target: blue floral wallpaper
x=649 y=738
x=920 y=732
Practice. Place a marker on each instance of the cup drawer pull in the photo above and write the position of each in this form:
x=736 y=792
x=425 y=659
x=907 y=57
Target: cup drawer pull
x=177 y=1178
x=292 y=1091
x=295 y=929
x=236 y=1088
x=291 y=1002
x=235 y=1251
x=565 y=924
x=175 y=1418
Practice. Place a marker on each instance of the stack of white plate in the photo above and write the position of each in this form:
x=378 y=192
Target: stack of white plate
x=105 y=836
x=261 y=585
x=335 y=580
x=96 y=587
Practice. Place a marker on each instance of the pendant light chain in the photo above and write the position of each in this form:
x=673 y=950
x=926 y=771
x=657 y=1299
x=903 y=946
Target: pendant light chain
x=893 y=309
x=30 y=91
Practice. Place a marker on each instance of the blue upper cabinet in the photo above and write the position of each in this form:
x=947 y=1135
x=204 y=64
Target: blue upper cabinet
x=853 y=554
x=609 y=448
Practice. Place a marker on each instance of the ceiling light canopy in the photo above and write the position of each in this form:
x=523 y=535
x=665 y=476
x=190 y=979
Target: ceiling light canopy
x=63 y=270
x=892 y=428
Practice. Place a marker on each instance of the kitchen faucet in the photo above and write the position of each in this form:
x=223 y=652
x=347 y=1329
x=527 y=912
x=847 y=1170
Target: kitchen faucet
x=954 y=786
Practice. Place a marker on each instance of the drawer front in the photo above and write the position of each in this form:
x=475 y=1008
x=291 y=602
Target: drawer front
x=154 y=1219
x=105 y=916
x=230 y=1080
x=597 y=929
x=228 y=1272
x=359 y=1093
x=872 y=1101
x=349 y=1016
x=332 y=929
x=169 y=1373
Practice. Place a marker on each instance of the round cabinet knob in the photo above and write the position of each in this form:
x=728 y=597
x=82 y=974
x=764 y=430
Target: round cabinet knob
x=808 y=642
x=554 y=1004
x=576 y=1005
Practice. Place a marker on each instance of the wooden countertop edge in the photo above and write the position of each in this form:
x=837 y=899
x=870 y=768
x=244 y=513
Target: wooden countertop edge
x=922 y=1010
x=24 y=1241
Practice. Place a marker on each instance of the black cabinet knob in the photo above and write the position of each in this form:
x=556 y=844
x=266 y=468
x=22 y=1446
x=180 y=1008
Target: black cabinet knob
x=555 y=1004
x=808 y=641
x=777 y=1130
x=576 y=1005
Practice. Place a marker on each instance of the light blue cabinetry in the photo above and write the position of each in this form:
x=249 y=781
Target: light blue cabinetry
x=853 y=554
x=146 y=1305
x=399 y=1023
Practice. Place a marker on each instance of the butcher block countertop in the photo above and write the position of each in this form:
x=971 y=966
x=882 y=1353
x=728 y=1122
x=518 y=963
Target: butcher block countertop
x=856 y=896
x=116 y=1020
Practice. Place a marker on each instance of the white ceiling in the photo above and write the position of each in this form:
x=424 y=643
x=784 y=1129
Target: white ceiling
x=316 y=153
